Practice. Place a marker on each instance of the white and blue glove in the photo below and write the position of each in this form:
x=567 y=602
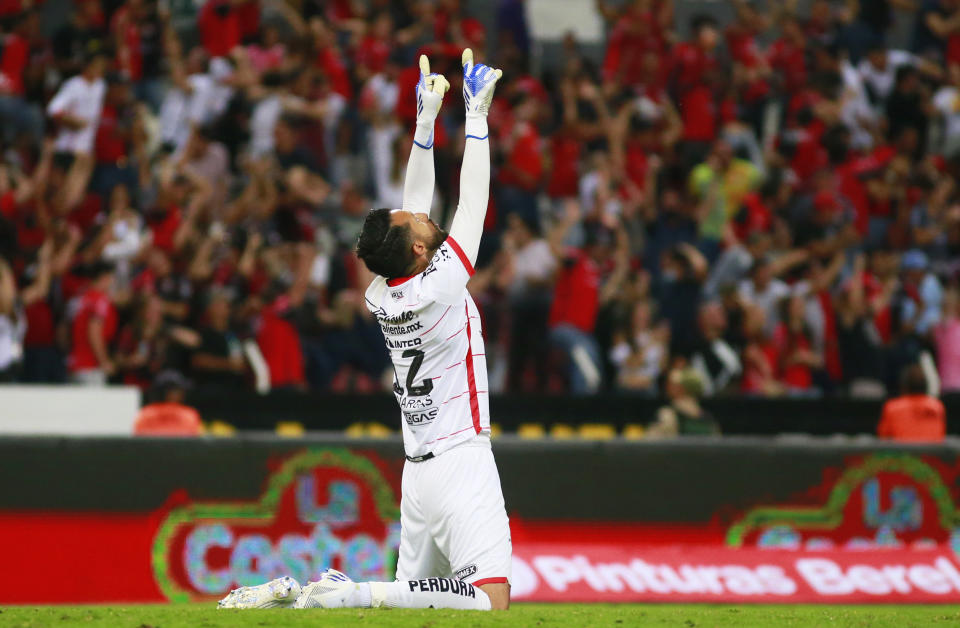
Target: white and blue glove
x=479 y=81
x=430 y=91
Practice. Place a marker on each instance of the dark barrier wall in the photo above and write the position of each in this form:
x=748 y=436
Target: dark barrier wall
x=148 y=520
x=694 y=480
x=739 y=415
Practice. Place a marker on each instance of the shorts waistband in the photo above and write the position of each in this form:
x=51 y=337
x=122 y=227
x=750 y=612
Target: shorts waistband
x=423 y=458
x=481 y=440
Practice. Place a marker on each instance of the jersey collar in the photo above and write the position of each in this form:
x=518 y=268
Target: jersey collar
x=396 y=281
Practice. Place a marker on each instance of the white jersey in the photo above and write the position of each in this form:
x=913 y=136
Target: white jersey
x=432 y=329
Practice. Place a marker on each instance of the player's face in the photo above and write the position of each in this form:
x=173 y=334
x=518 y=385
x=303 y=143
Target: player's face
x=421 y=227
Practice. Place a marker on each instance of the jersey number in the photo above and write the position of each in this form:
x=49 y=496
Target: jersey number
x=424 y=388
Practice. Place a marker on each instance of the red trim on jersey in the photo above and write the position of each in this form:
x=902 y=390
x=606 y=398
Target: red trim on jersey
x=483 y=581
x=396 y=281
x=454 y=397
x=471 y=381
x=463 y=256
x=449 y=435
x=438 y=321
x=467 y=327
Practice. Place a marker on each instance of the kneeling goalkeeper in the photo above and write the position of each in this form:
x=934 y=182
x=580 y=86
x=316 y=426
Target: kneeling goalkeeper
x=455 y=549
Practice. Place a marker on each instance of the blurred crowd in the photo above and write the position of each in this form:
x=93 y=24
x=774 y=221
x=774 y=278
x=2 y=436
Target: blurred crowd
x=766 y=206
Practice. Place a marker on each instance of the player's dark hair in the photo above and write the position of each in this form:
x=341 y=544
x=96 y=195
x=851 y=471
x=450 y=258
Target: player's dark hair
x=385 y=248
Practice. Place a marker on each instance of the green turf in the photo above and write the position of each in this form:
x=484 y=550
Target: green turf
x=542 y=615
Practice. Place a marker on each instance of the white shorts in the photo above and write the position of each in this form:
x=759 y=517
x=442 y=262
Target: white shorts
x=452 y=517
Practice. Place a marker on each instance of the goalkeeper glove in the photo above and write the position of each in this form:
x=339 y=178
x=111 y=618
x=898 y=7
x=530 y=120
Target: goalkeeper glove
x=479 y=81
x=430 y=91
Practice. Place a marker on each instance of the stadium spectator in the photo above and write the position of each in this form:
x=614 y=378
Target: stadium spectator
x=18 y=116
x=880 y=67
x=947 y=103
x=908 y=110
x=94 y=326
x=639 y=352
x=946 y=336
x=720 y=185
x=209 y=159
x=799 y=356
x=530 y=266
x=118 y=136
x=636 y=31
x=736 y=262
x=166 y=414
x=914 y=416
x=218 y=361
x=921 y=294
x=13 y=320
x=280 y=346
x=678 y=291
x=765 y=290
x=936 y=23
x=523 y=170
x=788 y=56
x=44 y=357
x=219 y=23
x=192 y=99
x=83 y=32
x=75 y=110
x=711 y=356
x=761 y=356
x=683 y=416
x=122 y=238
x=695 y=77
x=512 y=25
x=587 y=279
x=149 y=343
x=858 y=340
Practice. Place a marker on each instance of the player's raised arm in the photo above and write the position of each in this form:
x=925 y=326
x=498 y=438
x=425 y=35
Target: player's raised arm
x=479 y=81
x=419 y=181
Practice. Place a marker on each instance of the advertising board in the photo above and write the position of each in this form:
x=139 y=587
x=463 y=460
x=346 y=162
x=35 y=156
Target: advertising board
x=880 y=526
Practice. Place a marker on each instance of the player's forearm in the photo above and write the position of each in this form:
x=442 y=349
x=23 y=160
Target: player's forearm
x=420 y=178
x=419 y=181
x=474 y=188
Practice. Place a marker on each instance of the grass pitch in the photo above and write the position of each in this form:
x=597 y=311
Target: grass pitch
x=539 y=615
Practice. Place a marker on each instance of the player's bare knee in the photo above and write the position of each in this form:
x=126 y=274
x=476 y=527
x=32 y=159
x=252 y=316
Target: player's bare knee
x=499 y=595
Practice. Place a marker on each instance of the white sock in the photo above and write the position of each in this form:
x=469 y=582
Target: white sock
x=425 y=593
x=360 y=597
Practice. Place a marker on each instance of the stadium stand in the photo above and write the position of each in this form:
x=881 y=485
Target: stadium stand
x=760 y=194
